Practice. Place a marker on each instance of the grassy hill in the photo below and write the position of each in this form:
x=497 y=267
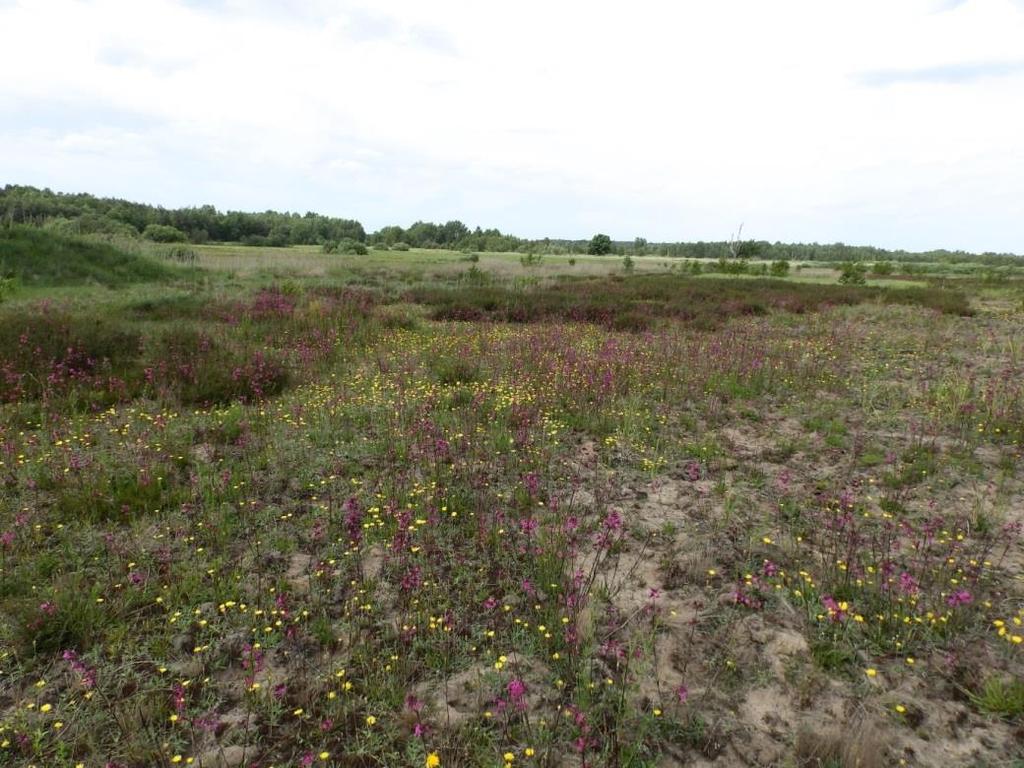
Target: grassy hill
x=36 y=257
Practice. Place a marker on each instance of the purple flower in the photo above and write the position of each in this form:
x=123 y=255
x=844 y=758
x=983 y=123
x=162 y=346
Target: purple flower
x=960 y=597
x=412 y=703
x=908 y=584
x=516 y=689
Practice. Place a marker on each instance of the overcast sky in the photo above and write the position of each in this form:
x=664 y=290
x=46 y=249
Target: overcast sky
x=891 y=122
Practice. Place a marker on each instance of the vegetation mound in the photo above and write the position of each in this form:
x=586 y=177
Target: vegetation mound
x=39 y=257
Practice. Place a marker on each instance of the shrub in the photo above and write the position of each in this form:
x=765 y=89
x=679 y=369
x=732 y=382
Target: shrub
x=779 y=268
x=400 y=247
x=162 y=233
x=852 y=273
x=346 y=246
x=475 y=276
x=572 y=262
x=882 y=268
x=627 y=263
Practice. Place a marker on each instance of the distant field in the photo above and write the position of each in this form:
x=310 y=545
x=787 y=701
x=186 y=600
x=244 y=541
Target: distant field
x=278 y=507
x=310 y=261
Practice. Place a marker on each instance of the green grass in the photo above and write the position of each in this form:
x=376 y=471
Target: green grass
x=1002 y=697
x=36 y=257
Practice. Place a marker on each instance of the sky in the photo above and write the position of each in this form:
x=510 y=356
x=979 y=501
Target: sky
x=897 y=123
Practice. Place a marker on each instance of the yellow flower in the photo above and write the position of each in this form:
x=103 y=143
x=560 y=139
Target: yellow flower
x=176 y=759
x=325 y=755
x=509 y=757
x=433 y=760
x=871 y=671
x=370 y=720
x=530 y=752
x=900 y=708
x=45 y=708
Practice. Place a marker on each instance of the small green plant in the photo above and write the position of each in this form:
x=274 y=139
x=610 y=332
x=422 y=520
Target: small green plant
x=531 y=259
x=999 y=696
x=181 y=254
x=475 y=276
x=882 y=268
x=852 y=273
x=627 y=263
x=572 y=262
x=779 y=268
x=6 y=287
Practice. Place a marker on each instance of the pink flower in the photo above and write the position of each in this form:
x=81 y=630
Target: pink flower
x=960 y=597
x=516 y=689
x=412 y=703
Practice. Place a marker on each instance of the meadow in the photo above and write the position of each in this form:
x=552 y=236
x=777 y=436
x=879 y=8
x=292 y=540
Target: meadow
x=276 y=507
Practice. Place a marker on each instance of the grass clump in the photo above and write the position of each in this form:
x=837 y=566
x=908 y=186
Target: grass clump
x=1000 y=696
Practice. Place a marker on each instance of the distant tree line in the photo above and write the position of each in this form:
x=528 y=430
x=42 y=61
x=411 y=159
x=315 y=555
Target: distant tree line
x=86 y=214
x=453 y=234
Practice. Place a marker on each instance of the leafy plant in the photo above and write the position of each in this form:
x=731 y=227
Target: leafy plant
x=853 y=273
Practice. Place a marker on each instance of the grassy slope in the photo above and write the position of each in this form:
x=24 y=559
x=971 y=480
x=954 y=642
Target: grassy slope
x=36 y=257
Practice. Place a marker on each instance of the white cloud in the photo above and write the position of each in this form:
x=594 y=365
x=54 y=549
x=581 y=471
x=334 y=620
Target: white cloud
x=893 y=123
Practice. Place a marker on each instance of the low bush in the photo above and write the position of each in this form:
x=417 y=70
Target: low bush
x=162 y=233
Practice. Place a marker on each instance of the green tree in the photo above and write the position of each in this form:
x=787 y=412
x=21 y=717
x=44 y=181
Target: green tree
x=600 y=245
